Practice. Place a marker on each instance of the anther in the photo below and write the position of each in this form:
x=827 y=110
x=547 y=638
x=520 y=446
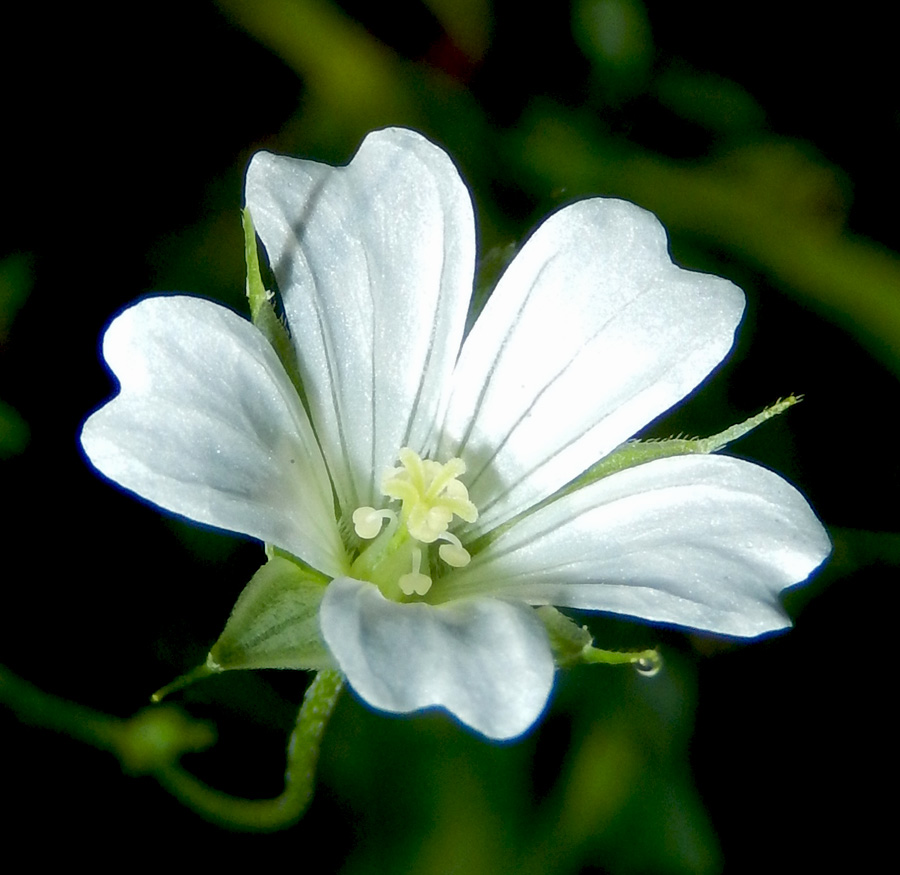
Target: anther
x=367 y=521
x=415 y=581
x=453 y=552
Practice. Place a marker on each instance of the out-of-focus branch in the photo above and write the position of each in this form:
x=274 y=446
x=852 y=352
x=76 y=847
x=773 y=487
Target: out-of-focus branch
x=153 y=741
x=769 y=204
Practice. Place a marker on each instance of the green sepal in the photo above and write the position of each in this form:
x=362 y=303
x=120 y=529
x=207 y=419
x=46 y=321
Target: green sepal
x=633 y=453
x=567 y=638
x=185 y=680
x=574 y=645
x=637 y=452
x=275 y=623
x=262 y=305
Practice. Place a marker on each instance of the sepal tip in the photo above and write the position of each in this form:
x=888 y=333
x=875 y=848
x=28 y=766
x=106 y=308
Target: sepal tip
x=210 y=667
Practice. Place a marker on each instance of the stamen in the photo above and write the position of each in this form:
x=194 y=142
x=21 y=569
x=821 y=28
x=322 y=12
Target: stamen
x=415 y=581
x=431 y=496
x=453 y=552
x=367 y=521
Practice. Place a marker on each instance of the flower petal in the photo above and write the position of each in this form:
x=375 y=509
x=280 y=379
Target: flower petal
x=591 y=334
x=706 y=542
x=486 y=661
x=375 y=263
x=208 y=425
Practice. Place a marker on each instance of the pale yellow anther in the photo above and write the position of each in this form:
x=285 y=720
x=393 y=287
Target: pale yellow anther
x=415 y=581
x=367 y=521
x=453 y=552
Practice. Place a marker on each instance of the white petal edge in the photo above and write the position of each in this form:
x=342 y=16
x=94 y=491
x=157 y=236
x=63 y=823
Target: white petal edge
x=591 y=334
x=705 y=542
x=208 y=425
x=486 y=661
x=375 y=263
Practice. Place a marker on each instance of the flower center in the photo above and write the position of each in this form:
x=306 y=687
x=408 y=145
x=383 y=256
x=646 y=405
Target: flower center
x=430 y=496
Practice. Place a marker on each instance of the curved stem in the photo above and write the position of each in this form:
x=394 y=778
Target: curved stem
x=265 y=815
x=151 y=742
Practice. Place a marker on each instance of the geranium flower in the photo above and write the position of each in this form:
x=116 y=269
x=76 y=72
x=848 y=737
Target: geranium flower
x=422 y=473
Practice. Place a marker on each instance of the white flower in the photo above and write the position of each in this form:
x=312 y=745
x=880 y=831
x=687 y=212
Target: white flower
x=428 y=445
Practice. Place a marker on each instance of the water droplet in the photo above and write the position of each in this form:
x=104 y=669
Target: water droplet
x=648 y=666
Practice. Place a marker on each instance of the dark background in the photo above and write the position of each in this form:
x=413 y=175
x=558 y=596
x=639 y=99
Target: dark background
x=765 y=137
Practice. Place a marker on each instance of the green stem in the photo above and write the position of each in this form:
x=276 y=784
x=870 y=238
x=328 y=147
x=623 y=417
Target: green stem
x=265 y=815
x=151 y=743
x=37 y=708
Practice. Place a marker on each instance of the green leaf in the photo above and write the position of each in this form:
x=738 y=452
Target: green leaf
x=275 y=623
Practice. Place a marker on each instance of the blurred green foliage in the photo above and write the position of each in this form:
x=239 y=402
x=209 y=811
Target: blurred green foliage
x=15 y=284
x=766 y=142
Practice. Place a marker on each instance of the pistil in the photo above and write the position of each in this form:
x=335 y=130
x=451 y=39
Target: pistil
x=430 y=496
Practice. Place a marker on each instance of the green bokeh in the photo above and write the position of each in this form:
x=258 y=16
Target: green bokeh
x=767 y=147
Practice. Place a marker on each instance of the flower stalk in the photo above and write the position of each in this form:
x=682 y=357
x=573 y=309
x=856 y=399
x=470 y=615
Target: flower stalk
x=267 y=815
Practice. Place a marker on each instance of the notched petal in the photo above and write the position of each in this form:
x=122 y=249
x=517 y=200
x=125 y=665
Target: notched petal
x=486 y=661
x=704 y=542
x=375 y=264
x=208 y=425
x=591 y=334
